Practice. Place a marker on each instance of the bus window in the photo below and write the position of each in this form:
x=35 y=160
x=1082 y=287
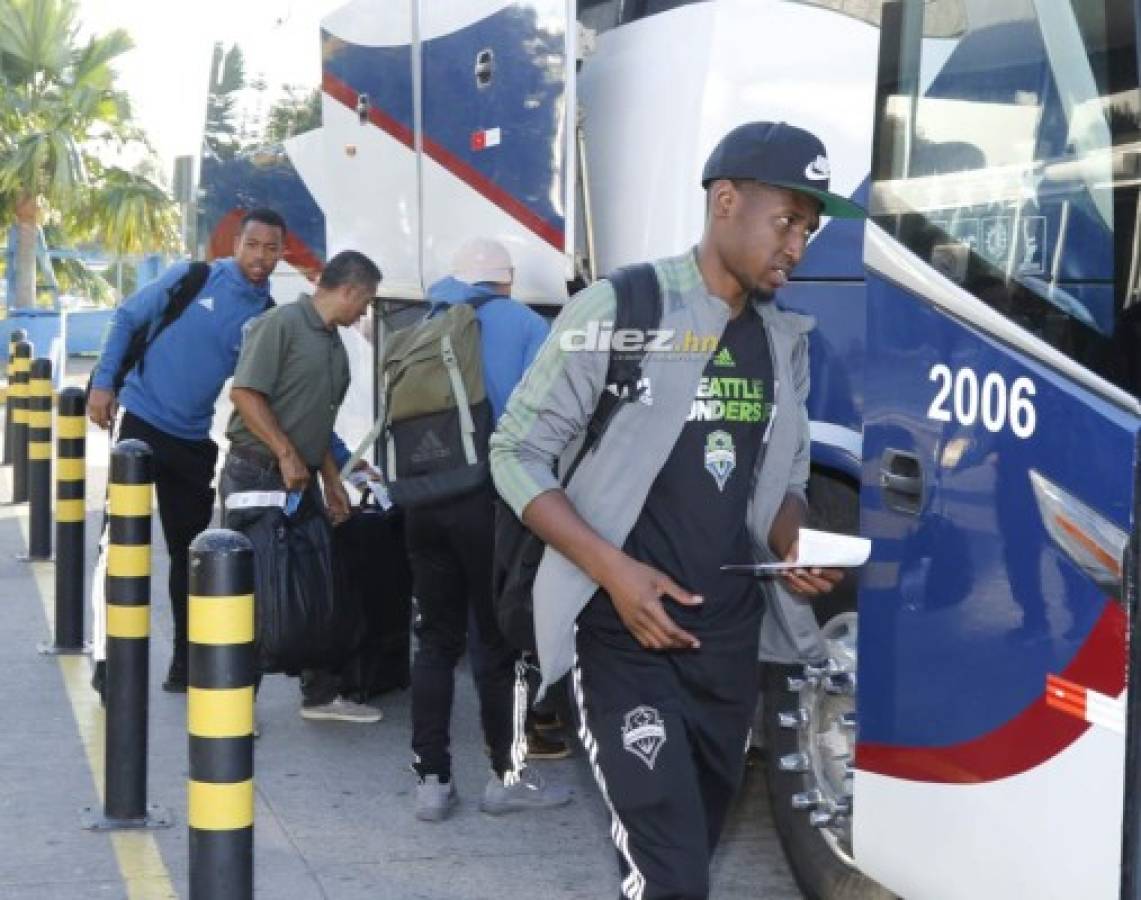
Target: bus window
x=942 y=18
x=599 y=15
x=639 y=9
x=1001 y=161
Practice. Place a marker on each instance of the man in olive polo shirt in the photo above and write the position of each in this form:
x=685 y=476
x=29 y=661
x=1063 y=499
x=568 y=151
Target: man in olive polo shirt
x=292 y=375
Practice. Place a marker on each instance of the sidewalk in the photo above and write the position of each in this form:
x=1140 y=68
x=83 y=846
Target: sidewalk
x=334 y=801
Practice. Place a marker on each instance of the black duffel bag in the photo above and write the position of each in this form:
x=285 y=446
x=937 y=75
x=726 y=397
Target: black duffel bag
x=302 y=623
x=373 y=575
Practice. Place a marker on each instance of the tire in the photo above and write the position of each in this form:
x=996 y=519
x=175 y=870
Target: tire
x=834 y=505
x=820 y=857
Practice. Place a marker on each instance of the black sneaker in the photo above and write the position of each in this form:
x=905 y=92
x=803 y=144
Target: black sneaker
x=545 y=745
x=543 y=721
x=176 y=676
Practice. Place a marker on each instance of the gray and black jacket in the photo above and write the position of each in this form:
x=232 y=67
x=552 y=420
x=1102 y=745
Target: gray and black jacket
x=548 y=413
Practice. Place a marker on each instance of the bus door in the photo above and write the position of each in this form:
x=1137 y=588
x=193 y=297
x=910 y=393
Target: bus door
x=1000 y=451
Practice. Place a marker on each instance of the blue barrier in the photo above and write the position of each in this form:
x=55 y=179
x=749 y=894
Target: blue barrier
x=46 y=331
x=86 y=329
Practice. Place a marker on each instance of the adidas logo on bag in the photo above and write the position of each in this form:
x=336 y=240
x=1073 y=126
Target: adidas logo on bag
x=430 y=449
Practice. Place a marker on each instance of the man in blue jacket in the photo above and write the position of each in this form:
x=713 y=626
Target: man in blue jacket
x=169 y=401
x=450 y=551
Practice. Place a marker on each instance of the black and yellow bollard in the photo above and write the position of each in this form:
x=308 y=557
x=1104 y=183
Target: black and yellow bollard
x=220 y=716
x=21 y=369
x=128 y=642
x=17 y=335
x=70 y=522
x=39 y=415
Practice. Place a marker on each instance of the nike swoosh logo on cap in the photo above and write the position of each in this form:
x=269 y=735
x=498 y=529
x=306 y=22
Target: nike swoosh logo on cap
x=818 y=169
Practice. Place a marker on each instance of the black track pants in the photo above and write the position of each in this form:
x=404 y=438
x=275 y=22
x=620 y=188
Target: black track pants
x=449 y=549
x=666 y=735
x=184 y=474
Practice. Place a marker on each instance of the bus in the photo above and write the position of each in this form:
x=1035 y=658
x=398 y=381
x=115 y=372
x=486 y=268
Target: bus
x=975 y=370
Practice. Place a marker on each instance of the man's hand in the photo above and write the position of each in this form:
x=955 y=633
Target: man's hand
x=362 y=465
x=636 y=591
x=337 y=501
x=809 y=583
x=294 y=472
x=101 y=407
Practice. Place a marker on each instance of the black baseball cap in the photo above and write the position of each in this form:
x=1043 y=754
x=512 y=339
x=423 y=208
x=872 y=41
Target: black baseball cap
x=782 y=155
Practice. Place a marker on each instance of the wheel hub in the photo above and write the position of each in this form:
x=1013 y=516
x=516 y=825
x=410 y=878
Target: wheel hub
x=826 y=729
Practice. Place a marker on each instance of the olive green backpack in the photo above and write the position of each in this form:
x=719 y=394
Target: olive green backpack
x=437 y=416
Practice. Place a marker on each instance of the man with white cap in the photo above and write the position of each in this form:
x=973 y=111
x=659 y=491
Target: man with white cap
x=450 y=550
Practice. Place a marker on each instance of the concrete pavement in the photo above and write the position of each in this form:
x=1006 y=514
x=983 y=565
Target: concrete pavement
x=334 y=801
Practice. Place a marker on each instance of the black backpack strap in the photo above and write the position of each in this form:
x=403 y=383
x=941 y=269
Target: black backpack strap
x=638 y=305
x=180 y=295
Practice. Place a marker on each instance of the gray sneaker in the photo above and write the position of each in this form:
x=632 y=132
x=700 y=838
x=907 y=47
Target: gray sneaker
x=342 y=710
x=528 y=792
x=434 y=800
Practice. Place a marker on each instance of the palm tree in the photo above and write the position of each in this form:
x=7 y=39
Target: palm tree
x=57 y=98
x=128 y=213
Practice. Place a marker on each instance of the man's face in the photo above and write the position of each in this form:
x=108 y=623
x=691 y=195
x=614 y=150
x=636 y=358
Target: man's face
x=352 y=302
x=765 y=232
x=258 y=249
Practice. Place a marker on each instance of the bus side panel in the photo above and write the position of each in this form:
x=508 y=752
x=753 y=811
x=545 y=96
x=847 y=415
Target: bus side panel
x=370 y=188
x=968 y=783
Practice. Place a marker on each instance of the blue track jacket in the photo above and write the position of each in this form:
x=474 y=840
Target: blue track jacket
x=189 y=362
x=510 y=336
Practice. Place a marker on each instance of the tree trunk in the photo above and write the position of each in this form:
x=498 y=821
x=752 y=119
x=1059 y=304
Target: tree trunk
x=25 y=256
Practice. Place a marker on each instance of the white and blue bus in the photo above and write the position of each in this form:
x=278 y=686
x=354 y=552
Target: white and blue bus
x=976 y=369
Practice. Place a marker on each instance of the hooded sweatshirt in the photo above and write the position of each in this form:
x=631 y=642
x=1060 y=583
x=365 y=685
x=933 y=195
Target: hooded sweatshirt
x=188 y=363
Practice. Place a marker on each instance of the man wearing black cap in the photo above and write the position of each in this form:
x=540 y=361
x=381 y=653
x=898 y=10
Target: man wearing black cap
x=707 y=467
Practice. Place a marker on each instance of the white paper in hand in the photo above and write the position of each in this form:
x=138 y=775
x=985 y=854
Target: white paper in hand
x=816 y=550
x=380 y=492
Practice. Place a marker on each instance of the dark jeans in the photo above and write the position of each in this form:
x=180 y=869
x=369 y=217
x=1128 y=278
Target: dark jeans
x=318 y=687
x=184 y=476
x=449 y=548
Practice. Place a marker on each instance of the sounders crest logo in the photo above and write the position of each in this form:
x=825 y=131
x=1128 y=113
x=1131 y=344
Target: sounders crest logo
x=644 y=734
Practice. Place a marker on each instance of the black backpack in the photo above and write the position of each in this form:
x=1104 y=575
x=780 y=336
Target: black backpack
x=518 y=551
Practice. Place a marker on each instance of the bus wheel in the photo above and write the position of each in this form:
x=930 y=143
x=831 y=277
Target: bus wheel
x=810 y=733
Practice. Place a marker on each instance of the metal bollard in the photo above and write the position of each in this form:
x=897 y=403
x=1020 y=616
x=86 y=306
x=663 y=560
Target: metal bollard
x=39 y=416
x=70 y=522
x=220 y=716
x=128 y=643
x=17 y=335
x=21 y=367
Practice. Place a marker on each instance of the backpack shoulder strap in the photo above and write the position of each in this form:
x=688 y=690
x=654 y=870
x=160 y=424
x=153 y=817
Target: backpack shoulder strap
x=638 y=296
x=182 y=294
x=179 y=296
x=638 y=305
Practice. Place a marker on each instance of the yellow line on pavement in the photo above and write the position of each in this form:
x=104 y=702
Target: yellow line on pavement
x=144 y=873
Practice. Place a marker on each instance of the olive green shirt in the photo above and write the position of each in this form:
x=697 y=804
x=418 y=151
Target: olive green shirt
x=301 y=367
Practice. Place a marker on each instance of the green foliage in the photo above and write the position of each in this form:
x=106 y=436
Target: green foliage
x=294 y=113
x=227 y=78
x=127 y=213
x=58 y=104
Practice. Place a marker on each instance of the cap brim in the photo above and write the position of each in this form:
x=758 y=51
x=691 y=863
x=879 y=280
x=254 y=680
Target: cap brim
x=831 y=204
